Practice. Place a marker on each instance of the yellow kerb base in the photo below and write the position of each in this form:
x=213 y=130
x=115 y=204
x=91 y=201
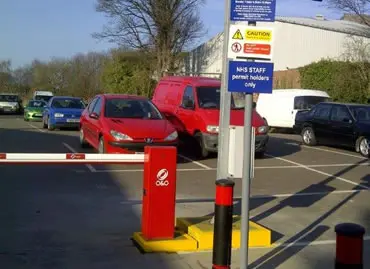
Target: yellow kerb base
x=202 y=230
x=181 y=242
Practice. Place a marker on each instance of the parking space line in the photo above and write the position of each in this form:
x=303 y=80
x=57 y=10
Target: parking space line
x=334 y=151
x=283 y=195
x=319 y=172
x=195 y=162
x=89 y=166
x=37 y=128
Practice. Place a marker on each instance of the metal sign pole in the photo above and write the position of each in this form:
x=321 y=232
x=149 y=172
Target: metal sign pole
x=225 y=104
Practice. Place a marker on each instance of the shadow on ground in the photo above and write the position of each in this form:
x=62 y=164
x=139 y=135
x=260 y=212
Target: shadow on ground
x=53 y=217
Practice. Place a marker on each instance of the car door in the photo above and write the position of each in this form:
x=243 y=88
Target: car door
x=94 y=123
x=185 y=112
x=85 y=120
x=341 y=125
x=320 y=122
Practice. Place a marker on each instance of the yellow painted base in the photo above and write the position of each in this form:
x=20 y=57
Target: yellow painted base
x=201 y=230
x=181 y=242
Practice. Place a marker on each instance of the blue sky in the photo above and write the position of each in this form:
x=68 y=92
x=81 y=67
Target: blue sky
x=43 y=29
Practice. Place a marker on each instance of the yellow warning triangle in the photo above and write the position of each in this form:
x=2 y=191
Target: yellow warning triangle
x=238 y=35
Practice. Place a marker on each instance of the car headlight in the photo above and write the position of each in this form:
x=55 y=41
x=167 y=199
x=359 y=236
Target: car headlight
x=262 y=129
x=212 y=128
x=119 y=136
x=58 y=115
x=172 y=136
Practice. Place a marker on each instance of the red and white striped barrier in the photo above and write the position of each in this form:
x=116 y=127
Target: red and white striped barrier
x=52 y=158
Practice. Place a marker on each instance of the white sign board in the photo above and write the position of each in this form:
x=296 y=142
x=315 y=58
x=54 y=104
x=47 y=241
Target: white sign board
x=250 y=42
x=236 y=153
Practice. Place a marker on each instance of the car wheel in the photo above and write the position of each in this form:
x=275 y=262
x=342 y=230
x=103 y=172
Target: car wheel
x=50 y=127
x=202 y=151
x=101 y=148
x=44 y=125
x=363 y=146
x=308 y=136
x=83 y=142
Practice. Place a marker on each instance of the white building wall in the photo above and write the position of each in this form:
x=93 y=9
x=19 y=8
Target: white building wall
x=294 y=46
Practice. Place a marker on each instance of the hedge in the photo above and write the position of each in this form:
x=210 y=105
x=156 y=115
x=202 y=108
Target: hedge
x=343 y=81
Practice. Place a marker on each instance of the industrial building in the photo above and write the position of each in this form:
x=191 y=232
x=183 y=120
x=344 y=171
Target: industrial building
x=297 y=42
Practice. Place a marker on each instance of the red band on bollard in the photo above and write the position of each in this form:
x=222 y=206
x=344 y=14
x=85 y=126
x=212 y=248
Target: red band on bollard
x=349 y=250
x=224 y=195
x=2 y=156
x=221 y=267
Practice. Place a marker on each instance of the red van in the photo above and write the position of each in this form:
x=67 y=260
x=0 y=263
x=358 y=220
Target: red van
x=192 y=105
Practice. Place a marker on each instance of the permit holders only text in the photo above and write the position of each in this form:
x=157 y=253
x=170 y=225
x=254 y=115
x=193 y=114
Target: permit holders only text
x=250 y=77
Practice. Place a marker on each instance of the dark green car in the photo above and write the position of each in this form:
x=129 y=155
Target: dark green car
x=34 y=109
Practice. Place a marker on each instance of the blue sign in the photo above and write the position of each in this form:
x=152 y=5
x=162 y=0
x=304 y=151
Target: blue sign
x=253 y=10
x=251 y=77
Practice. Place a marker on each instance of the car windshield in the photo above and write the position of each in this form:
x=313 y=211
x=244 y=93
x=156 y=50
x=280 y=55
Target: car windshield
x=209 y=98
x=9 y=98
x=131 y=108
x=361 y=113
x=36 y=104
x=68 y=103
x=308 y=102
x=45 y=98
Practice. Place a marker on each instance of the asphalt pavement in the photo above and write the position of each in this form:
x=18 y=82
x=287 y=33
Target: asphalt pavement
x=82 y=216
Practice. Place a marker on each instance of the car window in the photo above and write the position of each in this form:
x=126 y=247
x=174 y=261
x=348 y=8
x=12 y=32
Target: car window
x=339 y=113
x=188 y=95
x=361 y=113
x=97 y=107
x=91 y=105
x=72 y=103
x=36 y=104
x=322 y=112
x=131 y=108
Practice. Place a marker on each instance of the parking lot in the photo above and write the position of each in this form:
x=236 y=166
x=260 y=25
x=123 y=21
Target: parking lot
x=74 y=216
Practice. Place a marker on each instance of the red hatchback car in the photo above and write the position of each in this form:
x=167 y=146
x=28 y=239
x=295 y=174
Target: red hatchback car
x=116 y=123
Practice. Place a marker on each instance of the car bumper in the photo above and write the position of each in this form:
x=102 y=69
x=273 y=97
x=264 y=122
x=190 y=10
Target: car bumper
x=33 y=116
x=114 y=146
x=211 y=142
x=9 y=110
x=66 y=123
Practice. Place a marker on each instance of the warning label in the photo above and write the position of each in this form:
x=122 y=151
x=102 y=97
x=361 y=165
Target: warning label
x=238 y=35
x=258 y=35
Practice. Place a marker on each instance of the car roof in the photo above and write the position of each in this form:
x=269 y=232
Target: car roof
x=345 y=104
x=122 y=96
x=65 y=97
x=196 y=81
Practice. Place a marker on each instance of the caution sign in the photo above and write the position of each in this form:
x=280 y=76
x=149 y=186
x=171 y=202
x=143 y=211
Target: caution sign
x=238 y=35
x=258 y=35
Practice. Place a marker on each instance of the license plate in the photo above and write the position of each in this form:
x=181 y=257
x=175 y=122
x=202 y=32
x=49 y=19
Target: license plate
x=38 y=115
x=73 y=120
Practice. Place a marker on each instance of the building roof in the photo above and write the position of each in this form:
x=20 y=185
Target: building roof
x=340 y=26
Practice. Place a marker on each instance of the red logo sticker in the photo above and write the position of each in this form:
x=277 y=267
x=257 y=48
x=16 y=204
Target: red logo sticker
x=75 y=156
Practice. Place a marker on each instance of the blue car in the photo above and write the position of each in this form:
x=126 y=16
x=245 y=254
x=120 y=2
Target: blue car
x=63 y=112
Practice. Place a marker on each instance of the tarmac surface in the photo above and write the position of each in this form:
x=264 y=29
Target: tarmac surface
x=82 y=216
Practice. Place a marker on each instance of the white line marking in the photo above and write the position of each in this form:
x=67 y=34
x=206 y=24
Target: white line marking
x=320 y=172
x=286 y=245
x=258 y=167
x=89 y=166
x=37 y=128
x=195 y=162
x=334 y=151
x=273 y=196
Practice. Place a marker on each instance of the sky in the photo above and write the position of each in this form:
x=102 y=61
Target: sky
x=42 y=29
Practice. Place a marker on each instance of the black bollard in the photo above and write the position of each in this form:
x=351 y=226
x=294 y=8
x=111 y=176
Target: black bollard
x=223 y=224
x=349 y=246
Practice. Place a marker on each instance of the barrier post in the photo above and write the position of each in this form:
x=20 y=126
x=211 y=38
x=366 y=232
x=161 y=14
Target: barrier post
x=223 y=224
x=349 y=246
x=159 y=193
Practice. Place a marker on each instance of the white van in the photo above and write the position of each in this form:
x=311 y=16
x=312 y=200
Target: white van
x=43 y=95
x=280 y=107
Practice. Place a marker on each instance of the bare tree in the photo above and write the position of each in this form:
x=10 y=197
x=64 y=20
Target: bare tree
x=361 y=8
x=162 y=27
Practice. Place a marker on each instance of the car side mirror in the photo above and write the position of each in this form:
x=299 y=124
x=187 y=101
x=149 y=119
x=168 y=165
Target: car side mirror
x=93 y=115
x=188 y=104
x=347 y=120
